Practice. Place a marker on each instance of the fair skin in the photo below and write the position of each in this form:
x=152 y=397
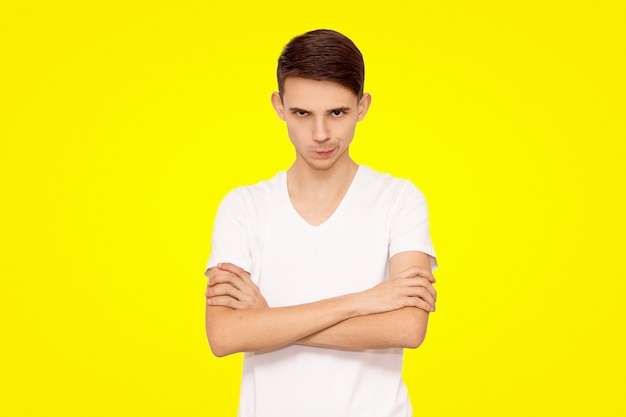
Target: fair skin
x=321 y=118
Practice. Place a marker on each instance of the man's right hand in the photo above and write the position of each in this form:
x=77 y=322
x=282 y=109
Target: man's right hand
x=410 y=288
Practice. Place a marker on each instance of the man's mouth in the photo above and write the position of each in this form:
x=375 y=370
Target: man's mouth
x=325 y=152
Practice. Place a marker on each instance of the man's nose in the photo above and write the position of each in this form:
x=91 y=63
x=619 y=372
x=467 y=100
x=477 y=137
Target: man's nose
x=320 y=130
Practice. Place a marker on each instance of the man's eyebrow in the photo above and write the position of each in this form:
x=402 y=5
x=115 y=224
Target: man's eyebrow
x=343 y=109
x=298 y=109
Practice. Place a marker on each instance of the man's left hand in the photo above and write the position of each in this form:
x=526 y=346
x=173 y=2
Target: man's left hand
x=231 y=286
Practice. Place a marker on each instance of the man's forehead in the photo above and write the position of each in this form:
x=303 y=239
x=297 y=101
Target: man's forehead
x=328 y=95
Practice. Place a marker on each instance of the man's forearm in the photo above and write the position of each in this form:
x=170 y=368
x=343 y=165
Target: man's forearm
x=405 y=328
x=386 y=315
x=230 y=331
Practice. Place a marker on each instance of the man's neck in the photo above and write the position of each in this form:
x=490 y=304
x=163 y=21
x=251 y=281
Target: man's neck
x=309 y=183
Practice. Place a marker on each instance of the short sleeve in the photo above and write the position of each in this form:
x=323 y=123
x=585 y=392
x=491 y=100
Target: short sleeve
x=230 y=241
x=410 y=230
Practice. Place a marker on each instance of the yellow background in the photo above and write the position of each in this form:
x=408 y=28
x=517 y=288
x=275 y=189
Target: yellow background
x=123 y=124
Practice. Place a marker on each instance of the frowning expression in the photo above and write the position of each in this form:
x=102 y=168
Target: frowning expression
x=321 y=119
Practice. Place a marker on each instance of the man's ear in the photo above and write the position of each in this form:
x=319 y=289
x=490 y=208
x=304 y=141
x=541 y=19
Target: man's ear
x=364 y=105
x=277 y=102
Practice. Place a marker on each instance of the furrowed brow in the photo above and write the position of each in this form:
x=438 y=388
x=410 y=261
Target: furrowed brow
x=342 y=109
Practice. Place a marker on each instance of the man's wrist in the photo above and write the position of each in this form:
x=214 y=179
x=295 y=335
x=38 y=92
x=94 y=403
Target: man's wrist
x=356 y=305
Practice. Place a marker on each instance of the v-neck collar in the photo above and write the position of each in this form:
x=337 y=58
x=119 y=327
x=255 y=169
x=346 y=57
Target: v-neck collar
x=338 y=209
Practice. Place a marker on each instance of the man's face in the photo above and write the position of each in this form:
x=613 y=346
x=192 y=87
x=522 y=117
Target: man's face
x=321 y=118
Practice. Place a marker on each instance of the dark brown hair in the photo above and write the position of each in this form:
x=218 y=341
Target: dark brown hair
x=322 y=55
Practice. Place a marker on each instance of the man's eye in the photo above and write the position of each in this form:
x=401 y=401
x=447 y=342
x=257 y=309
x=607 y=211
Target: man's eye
x=301 y=113
x=337 y=113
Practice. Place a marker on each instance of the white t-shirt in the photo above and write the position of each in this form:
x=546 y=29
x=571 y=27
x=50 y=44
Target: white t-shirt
x=293 y=262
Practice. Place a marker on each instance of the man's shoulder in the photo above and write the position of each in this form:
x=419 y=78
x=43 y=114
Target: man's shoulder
x=384 y=183
x=264 y=186
x=256 y=193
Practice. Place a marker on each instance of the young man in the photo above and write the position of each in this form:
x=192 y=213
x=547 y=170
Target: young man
x=321 y=275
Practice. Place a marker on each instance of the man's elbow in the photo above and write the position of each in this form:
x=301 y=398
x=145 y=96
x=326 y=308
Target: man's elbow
x=415 y=340
x=219 y=350
x=218 y=346
x=219 y=332
x=220 y=343
x=415 y=329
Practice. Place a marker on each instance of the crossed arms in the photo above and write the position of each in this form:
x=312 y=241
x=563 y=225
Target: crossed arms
x=393 y=313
